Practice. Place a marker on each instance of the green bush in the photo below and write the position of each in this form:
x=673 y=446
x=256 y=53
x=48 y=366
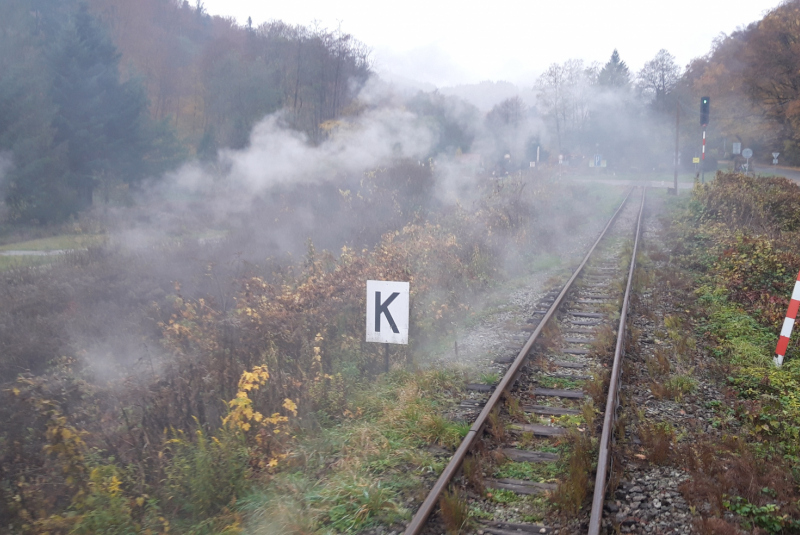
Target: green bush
x=204 y=476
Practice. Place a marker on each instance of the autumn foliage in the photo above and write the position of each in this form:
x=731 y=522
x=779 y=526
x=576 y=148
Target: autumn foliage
x=755 y=224
x=176 y=442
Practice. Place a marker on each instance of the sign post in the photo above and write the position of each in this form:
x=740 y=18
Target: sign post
x=387 y=314
x=775 y=158
x=747 y=153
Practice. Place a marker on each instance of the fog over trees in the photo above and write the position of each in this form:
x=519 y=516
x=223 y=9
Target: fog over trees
x=98 y=96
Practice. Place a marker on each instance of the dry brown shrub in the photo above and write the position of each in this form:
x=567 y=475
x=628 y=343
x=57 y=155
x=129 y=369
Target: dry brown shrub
x=656 y=253
x=729 y=467
x=620 y=423
x=514 y=410
x=496 y=426
x=658 y=440
x=473 y=472
x=540 y=361
x=631 y=341
x=597 y=387
x=715 y=526
x=589 y=414
x=576 y=485
x=455 y=511
x=605 y=340
x=659 y=390
x=550 y=339
x=658 y=365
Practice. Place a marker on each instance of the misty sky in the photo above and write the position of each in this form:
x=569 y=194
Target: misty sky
x=447 y=43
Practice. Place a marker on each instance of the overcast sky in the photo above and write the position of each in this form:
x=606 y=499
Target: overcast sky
x=447 y=43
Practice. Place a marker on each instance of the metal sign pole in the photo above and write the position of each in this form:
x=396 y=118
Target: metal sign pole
x=747 y=154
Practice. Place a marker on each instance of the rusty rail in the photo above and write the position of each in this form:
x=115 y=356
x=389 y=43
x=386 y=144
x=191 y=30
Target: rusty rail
x=418 y=522
x=612 y=401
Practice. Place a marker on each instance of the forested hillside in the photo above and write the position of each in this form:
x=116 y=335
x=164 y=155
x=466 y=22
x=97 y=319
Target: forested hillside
x=100 y=96
x=753 y=80
x=213 y=79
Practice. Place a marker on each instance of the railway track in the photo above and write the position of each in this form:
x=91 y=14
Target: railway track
x=562 y=383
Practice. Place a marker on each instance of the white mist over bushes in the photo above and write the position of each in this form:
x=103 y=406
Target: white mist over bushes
x=278 y=155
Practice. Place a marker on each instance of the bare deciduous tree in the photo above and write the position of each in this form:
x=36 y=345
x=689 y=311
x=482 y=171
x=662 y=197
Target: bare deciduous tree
x=564 y=95
x=658 y=78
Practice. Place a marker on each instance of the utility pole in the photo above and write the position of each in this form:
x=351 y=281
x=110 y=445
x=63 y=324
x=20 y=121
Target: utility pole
x=677 y=126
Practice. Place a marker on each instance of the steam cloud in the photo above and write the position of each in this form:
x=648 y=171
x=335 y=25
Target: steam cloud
x=278 y=155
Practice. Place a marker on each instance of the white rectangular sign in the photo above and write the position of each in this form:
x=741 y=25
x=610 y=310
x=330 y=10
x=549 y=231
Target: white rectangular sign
x=387 y=312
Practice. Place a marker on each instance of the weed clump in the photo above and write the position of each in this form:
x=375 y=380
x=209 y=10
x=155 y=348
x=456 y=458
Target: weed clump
x=514 y=409
x=455 y=511
x=597 y=387
x=575 y=487
x=658 y=365
x=675 y=387
x=550 y=338
x=605 y=340
x=474 y=474
x=729 y=477
x=715 y=526
x=496 y=426
x=589 y=413
x=658 y=439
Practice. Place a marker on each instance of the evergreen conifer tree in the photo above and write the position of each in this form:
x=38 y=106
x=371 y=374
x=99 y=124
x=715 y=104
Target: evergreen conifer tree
x=33 y=188
x=98 y=119
x=614 y=73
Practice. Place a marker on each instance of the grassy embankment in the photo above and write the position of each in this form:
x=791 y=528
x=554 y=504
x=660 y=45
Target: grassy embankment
x=737 y=237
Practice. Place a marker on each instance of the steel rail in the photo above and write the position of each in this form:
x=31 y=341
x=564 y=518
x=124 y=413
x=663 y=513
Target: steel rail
x=613 y=393
x=424 y=511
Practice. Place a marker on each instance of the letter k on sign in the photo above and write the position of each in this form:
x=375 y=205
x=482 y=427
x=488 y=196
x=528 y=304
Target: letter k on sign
x=387 y=312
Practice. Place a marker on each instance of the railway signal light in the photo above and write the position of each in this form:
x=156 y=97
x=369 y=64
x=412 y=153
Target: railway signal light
x=705 y=105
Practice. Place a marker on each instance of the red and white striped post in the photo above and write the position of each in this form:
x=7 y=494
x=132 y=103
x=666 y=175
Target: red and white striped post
x=788 y=324
x=703 y=161
x=704 y=144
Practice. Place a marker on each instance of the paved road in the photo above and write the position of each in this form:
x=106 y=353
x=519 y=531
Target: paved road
x=35 y=253
x=789 y=172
